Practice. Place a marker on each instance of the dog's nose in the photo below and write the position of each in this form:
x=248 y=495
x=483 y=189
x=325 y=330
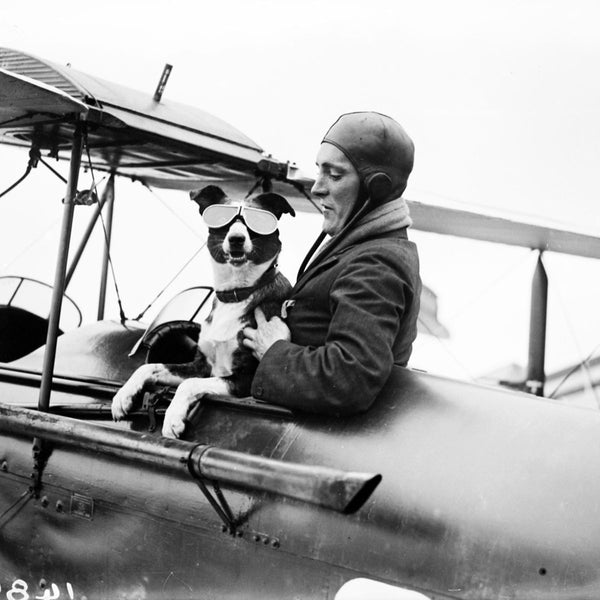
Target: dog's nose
x=236 y=240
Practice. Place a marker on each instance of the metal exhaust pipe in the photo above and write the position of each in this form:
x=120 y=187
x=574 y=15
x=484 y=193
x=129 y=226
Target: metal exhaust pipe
x=335 y=489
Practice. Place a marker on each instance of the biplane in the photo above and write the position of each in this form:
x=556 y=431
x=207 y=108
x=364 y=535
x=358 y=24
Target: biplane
x=443 y=489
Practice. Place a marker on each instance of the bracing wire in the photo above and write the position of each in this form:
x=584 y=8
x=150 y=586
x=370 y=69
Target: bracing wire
x=510 y=269
x=64 y=179
x=301 y=189
x=31 y=245
x=34 y=156
x=574 y=369
x=165 y=287
x=16 y=183
x=166 y=206
x=584 y=362
x=447 y=349
x=122 y=316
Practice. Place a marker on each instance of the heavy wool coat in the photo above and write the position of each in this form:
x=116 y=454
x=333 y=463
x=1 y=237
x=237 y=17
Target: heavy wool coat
x=354 y=316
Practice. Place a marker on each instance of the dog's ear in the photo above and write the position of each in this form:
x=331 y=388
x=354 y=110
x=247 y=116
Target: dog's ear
x=207 y=196
x=275 y=203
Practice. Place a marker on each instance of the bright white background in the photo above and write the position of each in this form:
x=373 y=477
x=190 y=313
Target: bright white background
x=501 y=98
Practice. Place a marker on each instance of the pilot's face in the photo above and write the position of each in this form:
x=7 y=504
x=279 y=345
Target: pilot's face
x=336 y=186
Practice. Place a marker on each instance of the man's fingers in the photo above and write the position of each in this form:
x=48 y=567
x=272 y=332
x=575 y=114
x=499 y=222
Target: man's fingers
x=259 y=315
x=249 y=332
x=248 y=343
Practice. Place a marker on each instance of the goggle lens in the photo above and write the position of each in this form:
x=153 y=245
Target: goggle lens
x=260 y=221
x=219 y=215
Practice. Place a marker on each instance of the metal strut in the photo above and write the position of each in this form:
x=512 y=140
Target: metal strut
x=41 y=449
x=218 y=501
x=61 y=268
x=536 y=377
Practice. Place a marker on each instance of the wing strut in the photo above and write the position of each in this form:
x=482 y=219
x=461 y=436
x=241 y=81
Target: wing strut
x=110 y=194
x=536 y=377
x=61 y=267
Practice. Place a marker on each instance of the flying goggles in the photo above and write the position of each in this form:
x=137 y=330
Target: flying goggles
x=260 y=221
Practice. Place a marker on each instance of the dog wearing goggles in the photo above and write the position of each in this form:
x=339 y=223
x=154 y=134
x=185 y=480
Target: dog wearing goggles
x=243 y=242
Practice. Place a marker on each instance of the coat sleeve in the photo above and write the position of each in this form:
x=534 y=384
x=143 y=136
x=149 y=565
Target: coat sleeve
x=367 y=301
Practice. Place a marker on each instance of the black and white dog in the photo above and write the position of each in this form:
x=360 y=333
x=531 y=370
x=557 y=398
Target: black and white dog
x=244 y=244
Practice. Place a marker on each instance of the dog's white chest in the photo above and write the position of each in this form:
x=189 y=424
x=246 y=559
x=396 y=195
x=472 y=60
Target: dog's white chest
x=218 y=338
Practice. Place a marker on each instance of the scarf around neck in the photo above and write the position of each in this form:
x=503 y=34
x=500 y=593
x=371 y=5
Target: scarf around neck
x=391 y=216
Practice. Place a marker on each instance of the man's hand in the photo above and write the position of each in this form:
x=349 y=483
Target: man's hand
x=259 y=340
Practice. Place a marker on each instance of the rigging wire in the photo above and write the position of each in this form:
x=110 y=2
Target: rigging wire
x=576 y=367
x=35 y=242
x=300 y=188
x=122 y=316
x=64 y=179
x=165 y=287
x=16 y=183
x=512 y=268
x=584 y=362
x=446 y=347
x=34 y=156
x=182 y=221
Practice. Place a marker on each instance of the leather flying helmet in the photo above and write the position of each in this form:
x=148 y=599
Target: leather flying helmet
x=378 y=148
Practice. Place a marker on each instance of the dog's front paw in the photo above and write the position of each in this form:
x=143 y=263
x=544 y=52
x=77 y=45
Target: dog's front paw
x=132 y=392
x=186 y=396
x=124 y=400
x=175 y=422
x=122 y=403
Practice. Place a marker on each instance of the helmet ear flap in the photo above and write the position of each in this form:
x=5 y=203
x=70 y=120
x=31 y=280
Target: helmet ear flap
x=379 y=185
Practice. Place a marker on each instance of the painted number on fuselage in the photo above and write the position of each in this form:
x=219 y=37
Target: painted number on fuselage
x=19 y=590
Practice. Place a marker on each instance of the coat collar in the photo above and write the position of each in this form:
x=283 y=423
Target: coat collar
x=388 y=220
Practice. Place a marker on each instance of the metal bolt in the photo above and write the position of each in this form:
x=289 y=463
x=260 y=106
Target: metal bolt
x=43 y=583
x=256 y=538
x=59 y=506
x=275 y=544
x=266 y=541
x=45 y=501
x=239 y=533
x=4 y=466
x=223 y=528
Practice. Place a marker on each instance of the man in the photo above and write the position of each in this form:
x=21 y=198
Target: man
x=352 y=314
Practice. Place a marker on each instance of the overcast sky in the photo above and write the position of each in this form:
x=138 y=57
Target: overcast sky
x=501 y=98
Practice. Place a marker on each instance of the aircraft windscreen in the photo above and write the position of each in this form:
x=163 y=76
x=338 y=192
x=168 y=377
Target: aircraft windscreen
x=35 y=297
x=190 y=305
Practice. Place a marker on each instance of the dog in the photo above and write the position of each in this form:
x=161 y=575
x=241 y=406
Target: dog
x=243 y=242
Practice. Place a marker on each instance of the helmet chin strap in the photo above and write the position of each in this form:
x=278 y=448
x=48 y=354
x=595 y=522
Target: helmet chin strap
x=360 y=210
